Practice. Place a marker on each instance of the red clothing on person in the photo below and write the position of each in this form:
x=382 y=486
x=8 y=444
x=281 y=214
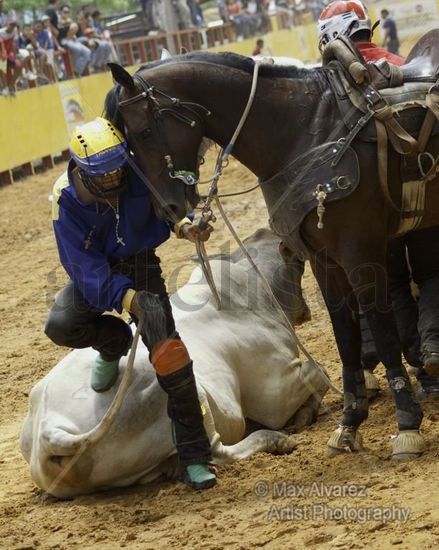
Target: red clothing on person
x=372 y=52
x=8 y=39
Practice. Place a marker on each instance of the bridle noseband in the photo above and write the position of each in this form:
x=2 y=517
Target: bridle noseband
x=149 y=93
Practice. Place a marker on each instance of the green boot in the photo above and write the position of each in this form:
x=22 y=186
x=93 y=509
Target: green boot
x=198 y=476
x=104 y=374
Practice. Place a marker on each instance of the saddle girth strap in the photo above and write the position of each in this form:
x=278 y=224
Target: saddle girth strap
x=388 y=129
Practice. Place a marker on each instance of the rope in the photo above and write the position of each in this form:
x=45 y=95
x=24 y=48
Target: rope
x=236 y=193
x=296 y=340
x=205 y=266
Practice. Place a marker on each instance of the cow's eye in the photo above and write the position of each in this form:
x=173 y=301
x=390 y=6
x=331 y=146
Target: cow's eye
x=145 y=133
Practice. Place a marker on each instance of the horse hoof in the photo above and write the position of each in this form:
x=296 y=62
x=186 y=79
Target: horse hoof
x=408 y=444
x=344 y=439
x=431 y=363
x=372 y=384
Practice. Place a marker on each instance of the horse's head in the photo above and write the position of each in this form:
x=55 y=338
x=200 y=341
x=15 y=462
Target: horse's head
x=164 y=134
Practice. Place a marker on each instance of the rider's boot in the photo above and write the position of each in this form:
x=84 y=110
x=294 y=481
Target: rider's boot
x=104 y=374
x=191 y=440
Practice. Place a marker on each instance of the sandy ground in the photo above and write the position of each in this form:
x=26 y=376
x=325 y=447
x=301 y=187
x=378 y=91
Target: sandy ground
x=268 y=501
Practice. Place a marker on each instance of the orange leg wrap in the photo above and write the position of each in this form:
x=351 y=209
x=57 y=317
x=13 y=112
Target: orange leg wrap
x=168 y=356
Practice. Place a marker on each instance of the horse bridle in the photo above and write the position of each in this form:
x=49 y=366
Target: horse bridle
x=188 y=177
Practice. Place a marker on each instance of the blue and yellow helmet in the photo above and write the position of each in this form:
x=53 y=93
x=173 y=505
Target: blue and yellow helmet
x=98 y=148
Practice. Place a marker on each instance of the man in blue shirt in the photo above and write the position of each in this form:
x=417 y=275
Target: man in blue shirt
x=390 y=42
x=107 y=232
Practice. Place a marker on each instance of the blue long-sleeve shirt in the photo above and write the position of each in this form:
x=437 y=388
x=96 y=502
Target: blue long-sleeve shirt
x=87 y=238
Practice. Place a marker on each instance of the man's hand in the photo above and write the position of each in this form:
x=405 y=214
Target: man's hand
x=193 y=233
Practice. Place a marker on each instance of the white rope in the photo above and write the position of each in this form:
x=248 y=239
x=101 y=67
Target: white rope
x=299 y=344
x=205 y=266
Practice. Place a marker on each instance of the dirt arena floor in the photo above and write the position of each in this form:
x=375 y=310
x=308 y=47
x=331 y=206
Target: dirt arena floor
x=303 y=500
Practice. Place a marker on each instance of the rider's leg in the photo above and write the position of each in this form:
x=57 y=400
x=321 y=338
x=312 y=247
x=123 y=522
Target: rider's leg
x=72 y=322
x=173 y=366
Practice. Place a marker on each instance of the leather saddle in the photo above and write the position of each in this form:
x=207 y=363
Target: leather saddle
x=384 y=103
x=422 y=63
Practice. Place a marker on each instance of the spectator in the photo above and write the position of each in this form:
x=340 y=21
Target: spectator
x=101 y=50
x=96 y=23
x=284 y=7
x=45 y=42
x=81 y=54
x=52 y=13
x=3 y=63
x=390 y=41
x=27 y=51
x=85 y=13
x=259 y=47
x=103 y=34
x=260 y=8
x=182 y=14
x=222 y=10
x=147 y=7
x=54 y=56
x=241 y=21
x=196 y=13
x=9 y=35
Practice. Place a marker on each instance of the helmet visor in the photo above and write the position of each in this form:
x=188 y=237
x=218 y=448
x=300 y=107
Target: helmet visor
x=106 y=185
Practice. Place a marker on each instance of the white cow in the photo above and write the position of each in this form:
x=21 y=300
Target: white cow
x=246 y=366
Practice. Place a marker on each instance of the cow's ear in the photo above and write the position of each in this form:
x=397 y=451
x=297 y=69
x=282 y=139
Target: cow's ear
x=121 y=76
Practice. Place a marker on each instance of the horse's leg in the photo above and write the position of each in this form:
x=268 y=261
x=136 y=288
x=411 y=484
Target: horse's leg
x=343 y=310
x=369 y=281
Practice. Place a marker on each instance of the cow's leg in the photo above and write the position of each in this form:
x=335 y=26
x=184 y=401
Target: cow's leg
x=268 y=441
x=343 y=310
x=369 y=280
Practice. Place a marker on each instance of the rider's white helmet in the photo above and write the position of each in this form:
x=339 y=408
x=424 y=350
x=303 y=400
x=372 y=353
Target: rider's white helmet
x=342 y=18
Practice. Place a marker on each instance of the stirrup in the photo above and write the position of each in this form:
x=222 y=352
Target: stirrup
x=198 y=476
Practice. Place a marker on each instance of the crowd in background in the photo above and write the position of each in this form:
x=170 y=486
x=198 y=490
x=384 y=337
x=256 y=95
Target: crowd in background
x=42 y=49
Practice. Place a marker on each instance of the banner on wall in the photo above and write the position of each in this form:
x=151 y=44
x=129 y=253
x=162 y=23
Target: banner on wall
x=412 y=17
x=72 y=105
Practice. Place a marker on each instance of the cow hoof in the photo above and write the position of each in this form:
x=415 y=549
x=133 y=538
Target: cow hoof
x=286 y=445
x=372 y=384
x=345 y=439
x=408 y=444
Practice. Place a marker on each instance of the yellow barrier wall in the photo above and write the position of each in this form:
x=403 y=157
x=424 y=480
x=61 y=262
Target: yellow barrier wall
x=33 y=123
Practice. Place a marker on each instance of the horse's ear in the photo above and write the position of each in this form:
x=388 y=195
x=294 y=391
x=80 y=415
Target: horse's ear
x=121 y=76
x=165 y=54
x=183 y=50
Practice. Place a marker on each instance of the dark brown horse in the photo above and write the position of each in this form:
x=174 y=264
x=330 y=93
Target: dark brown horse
x=168 y=107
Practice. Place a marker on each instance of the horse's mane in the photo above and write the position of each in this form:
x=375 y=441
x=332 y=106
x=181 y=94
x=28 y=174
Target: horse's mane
x=226 y=59
x=240 y=62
